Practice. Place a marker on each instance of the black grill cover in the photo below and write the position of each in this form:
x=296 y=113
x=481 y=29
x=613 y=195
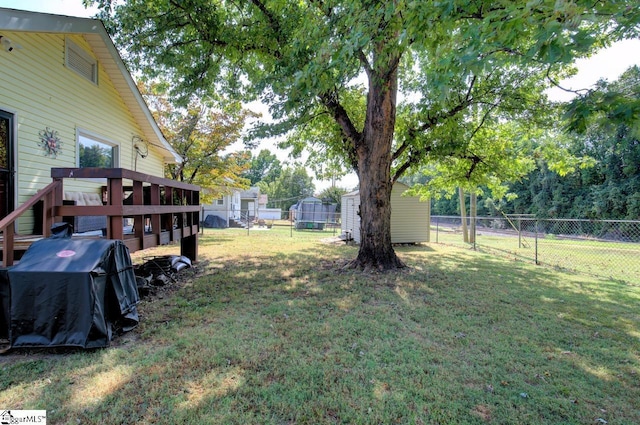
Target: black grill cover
x=67 y=292
x=4 y=304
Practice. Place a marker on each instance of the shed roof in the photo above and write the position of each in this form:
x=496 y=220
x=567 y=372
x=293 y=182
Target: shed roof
x=401 y=185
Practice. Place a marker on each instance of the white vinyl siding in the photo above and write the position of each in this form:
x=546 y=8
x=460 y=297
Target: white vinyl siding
x=218 y=209
x=350 y=207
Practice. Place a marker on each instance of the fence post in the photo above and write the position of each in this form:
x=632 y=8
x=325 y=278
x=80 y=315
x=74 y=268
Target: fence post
x=536 y=243
x=332 y=221
x=437 y=228
x=519 y=232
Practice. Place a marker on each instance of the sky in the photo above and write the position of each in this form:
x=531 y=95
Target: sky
x=59 y=7
x=607 y=64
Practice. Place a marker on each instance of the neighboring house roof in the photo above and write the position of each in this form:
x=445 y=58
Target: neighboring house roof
x=96 y=35
x=251 y=193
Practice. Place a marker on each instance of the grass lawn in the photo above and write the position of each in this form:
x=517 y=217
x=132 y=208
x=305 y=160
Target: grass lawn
x=273 y=331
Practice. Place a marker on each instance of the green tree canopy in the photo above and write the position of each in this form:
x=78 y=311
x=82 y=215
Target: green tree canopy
x=608 y=105
x=333 y=195
x=291 y=185
x=607 y=133
x=200 y=134
x=302 y=57
x=263 y=167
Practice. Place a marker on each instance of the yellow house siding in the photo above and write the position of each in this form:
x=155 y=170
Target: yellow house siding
x=42 y=92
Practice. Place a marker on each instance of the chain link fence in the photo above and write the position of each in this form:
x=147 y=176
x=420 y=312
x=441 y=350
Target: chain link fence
x=603 y=248
x=252 y=219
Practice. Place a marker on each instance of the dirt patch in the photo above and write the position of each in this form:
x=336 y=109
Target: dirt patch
x=9 y=356
x=334 y=240
x=482 y=411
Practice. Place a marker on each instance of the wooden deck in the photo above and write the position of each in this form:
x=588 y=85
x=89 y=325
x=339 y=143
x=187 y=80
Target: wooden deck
x=22 y=242
x=169 y=210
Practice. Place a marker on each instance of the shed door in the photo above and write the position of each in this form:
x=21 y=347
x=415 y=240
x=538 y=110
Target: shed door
x=7 y=190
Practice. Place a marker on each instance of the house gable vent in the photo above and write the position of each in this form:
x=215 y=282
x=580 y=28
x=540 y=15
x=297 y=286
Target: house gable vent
x=81 y=62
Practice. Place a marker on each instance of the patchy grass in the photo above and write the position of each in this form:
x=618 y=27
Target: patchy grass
x=274 y=331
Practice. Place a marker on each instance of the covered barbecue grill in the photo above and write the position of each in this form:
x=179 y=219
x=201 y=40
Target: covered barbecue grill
x=71 y=292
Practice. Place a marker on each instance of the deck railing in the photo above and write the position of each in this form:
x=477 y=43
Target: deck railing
x=162 y=210
x=7 y=224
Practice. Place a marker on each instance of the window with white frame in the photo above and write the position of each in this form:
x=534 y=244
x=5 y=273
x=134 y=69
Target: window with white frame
x=220 y=200
x=96 y=152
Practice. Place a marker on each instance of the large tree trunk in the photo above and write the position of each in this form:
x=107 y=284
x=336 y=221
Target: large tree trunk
x=374 y=173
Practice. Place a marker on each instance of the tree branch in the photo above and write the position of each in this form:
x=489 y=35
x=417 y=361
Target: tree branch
x=411 y=160
x=475 y=160
x=579 y=92
x=484 y=118
x=365 y=63
x=393 y=66
x=340 y=115
x=433 y=120
x=273 y=22
x=403 y=147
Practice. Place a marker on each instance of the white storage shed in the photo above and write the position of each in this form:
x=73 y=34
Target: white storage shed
x=410 y=218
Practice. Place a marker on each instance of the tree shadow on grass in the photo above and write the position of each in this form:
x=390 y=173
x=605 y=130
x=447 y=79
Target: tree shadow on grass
x=294 y=337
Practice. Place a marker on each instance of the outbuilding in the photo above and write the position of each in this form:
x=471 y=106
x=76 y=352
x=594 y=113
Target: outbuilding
x=312 y=213
x=410 y=218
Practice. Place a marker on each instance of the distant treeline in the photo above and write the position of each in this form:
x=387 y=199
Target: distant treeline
x=608 y=190
x=603 y=125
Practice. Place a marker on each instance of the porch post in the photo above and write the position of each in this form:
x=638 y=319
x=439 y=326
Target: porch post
x=189 y=247
x=138 y=220
x=114 y=226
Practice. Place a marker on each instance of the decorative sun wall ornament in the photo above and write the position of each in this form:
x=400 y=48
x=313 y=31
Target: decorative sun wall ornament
x=50 y=142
